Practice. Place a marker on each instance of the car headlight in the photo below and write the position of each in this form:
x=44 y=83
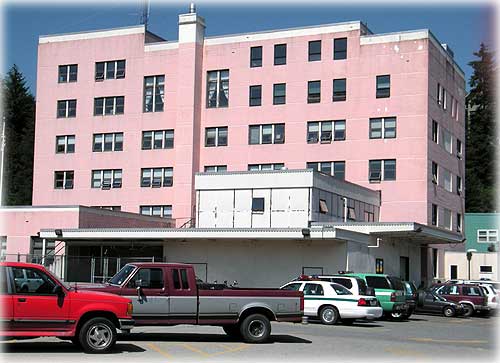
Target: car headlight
x=130 y=309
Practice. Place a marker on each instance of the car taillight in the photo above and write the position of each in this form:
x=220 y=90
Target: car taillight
x=393 y=296
x=130 y=309
x=302 y=302
x=362 y=302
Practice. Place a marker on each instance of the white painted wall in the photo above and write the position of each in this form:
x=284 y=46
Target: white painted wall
x=478 y=259
x=262 y=263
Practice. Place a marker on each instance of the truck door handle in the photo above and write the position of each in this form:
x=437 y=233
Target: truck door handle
x=21 y=299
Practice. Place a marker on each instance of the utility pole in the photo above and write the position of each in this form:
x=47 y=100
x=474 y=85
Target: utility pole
x=2 y=160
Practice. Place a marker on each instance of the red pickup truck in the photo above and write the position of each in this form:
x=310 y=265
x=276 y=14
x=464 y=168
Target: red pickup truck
x=169 y=294
x=34 y=303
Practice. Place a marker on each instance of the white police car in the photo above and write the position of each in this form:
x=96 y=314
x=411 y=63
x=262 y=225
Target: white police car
x=331 y=302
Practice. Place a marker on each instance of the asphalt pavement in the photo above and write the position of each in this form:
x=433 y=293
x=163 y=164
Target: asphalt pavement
x=422 y=338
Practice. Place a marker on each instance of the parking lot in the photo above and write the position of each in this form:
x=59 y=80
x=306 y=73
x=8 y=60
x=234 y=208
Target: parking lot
x=423 y=337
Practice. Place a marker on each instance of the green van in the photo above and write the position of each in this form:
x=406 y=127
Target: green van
x=389 y=291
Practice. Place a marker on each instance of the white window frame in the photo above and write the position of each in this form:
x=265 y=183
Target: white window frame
x=166 y=169
x=383 y=127
x=155 y=83
x=435 y=178
x=332 y=166
x=101 y=179
x=459 y=184
x=215 y=168
x=382 y=170
x=266 y=166
x=65 y=178
x=104 y=106
x=105 y=75
x=447 y=182
x=445 y=225
x=459 y=149
x=446 y=136
x=66 y=109
x=217 y=130
x=68 y=67
x=273 y=133
x=164 y=208
x=434 y=122
x=66 y=143
x=218 y=88
x=491 y=235
x=113 y=145
x=459 y=222
x=164 y=137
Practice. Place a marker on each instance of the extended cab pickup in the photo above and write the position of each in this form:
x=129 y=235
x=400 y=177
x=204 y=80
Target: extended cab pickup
x=168 y=294
x=34 y=303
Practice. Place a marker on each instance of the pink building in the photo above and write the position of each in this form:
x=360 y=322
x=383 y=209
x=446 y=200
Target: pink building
x=125 y=119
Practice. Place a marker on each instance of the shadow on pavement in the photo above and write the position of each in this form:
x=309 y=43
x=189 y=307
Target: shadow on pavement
x=206 y=338
x=27 y=347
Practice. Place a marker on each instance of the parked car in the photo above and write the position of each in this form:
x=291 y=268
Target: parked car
x=410 y=296
x=472 y=297
x=166 y=294
x=356 y=285
x=331 y=302
x=34 y=303
x=495 y=284
x=429 y=302
x=389 y=291
x=492 y=296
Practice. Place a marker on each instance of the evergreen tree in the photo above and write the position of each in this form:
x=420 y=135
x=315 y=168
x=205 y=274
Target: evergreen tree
x=481 y=141
x=19 y=112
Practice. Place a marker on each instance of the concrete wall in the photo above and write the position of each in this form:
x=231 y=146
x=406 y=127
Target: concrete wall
x=478 y=259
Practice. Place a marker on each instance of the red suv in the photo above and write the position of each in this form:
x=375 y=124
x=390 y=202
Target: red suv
x=472 y=297
x=34 y=303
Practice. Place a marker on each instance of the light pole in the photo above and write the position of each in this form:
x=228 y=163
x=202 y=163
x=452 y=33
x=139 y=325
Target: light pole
x=469 y=258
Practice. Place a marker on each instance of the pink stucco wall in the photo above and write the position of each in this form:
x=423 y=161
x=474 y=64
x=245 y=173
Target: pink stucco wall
x=412 y=64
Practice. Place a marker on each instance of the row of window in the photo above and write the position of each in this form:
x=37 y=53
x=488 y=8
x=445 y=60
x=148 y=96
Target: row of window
x=444 y=138
x=442 y=101
x=314 y=52
x=103 y=70
x=444 y=178
x=447 y=221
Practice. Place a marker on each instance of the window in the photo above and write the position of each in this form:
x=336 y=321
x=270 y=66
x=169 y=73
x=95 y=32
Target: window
x=369 y=216
x=104 y=106
x=378 y=282
x=314 y=50
x=447 y=183
x=255 y=96
x=435 y=175
x=471 y=291
x=459 y=185
x=453 y=272
x=107 y=178
x=340 y=48
x=66 y=108
x=435 y=131
x=64 y=179
x=154 y=93
x=334 y=168
x=486 y=269
x=164 y=211
x=157 y=177
x=147 y=278
x=383 y=86
x=115 y=208
x=292 y=287
x=441 y=96
x=322 y=130
x=29 y=281
x=487 y=235
x=382 y=170
x=157 y=139
x=313 y=91
x=351 y=213
x=452 y=107
x=257 y=205
x=313 y=289
x=459 y=222
x=109 y=70
x=434 y=213
x=108 y=142
x=279 y=94
x=68 y=73
x=459 y=149
x=446 y=140
x=279 y=54
x=339 y=89
x=383 y=128
x=215 y=168
x=275 y=166
x=216 y=136
x=447 y=219
x=255 y=57
x=175 y=279
x=218 y=88
x=323 y=207
x=65 y=144
x=266 y=134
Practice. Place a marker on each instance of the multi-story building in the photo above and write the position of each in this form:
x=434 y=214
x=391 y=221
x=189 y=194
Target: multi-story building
x=125 y=118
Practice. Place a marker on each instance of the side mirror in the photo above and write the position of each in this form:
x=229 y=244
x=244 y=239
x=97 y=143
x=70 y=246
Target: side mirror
x=58 y=290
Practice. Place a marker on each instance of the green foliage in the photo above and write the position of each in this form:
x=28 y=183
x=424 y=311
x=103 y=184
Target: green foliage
x=19 y=112
x=481 y=140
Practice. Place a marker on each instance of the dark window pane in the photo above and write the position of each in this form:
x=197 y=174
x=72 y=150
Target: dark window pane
x=110 y=70
x=255 y=95
x=258 y=205
x=59 y=179
x=72 y=108
x=340 y=48
x=120 y=69
x=279 y=133
x=312 y=132
x=339 y=90
x=108 y=142
x=119 y=141
x=63 y=74
x=279 y=93
x=314 y=50
x=169 y=139
x=98 y=106
x=339 y=130
x=267 y=134
x=254 y=135
x=339 y=169
x=313 y=91
x=109 y=105
x=99 y=71
x=120 y=103
x=279 y=54
x=210 y=136
x=61 y=109
x=375 y=170
x=147 y=140
x=390 y=169
x=256 y=57
x=73 y=73
x=222 y=136
x=383 y=86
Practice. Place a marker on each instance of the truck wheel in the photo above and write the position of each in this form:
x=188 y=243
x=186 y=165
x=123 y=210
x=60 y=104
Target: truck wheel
x=468 y=310
x=98 y=335
x=448 y=311
x=398 y=316
x=232 y=330
x=255 y=328
x=329 y=315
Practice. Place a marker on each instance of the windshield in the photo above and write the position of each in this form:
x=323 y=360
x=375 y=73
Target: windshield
x=122 y=275
x=341 y=290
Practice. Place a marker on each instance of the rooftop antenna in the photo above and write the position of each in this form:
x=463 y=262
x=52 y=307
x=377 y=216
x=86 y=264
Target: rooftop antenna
x=145 y=13
x=192 y=8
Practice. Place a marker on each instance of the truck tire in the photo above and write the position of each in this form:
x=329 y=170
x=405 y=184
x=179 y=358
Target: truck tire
x=232 y=330
x=329 y=315
x=255 y=328
x=97 y=335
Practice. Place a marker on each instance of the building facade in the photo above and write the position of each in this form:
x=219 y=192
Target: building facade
x=126 y=119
